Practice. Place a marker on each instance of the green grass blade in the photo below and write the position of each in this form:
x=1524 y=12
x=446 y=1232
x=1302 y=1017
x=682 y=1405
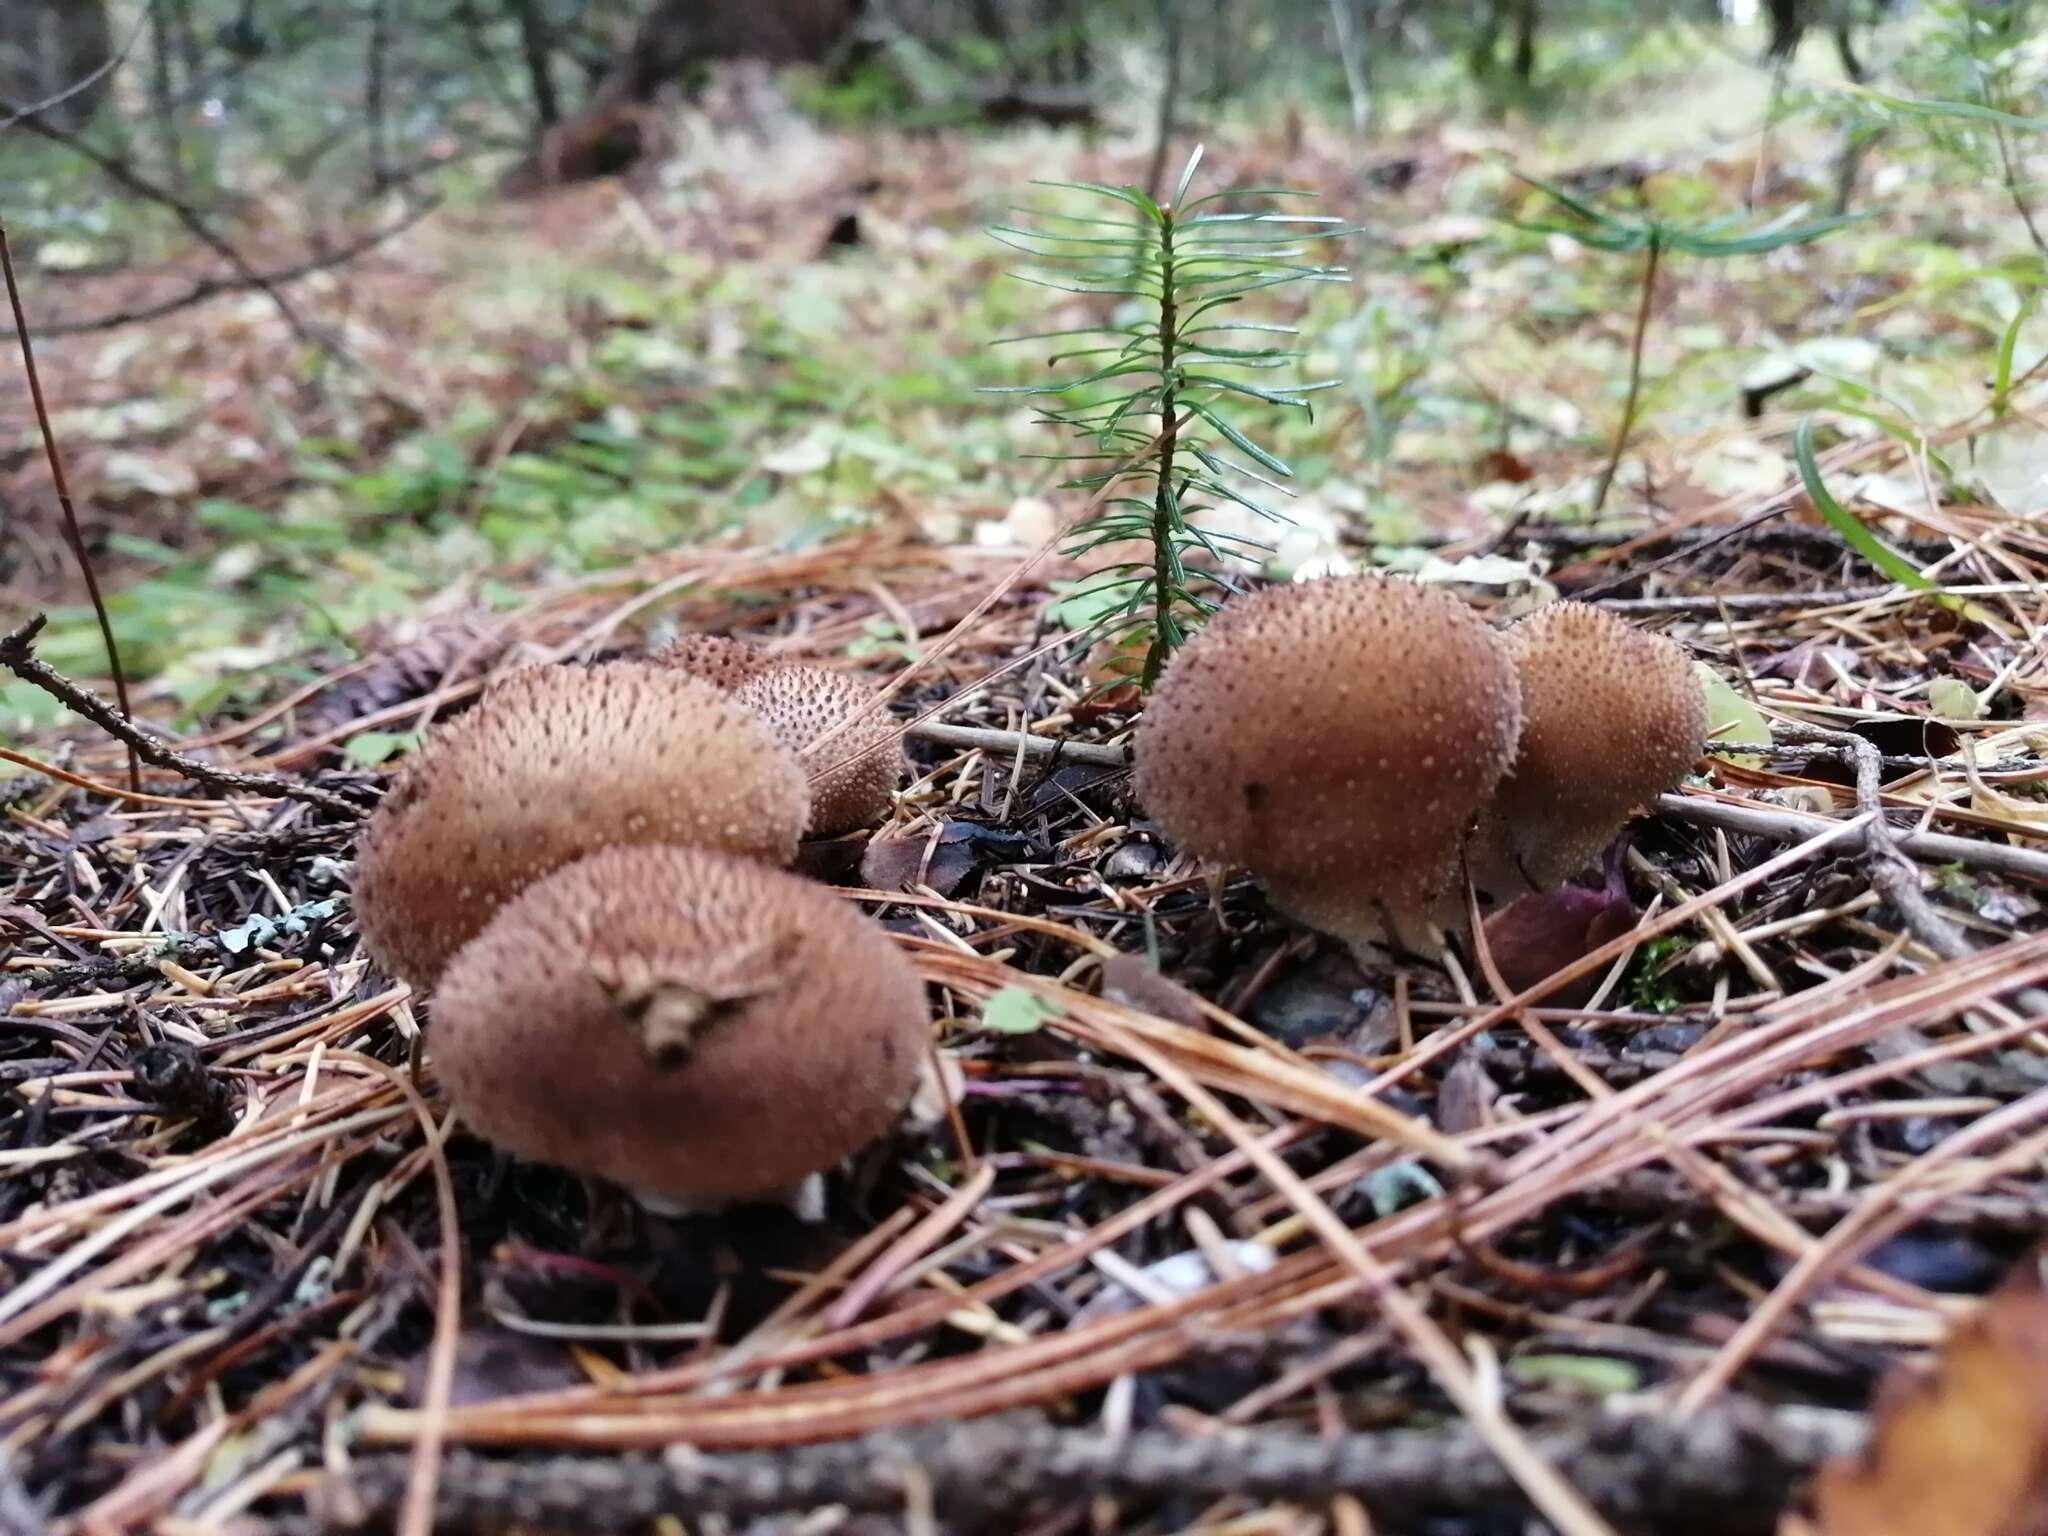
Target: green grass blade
x=1852 y=528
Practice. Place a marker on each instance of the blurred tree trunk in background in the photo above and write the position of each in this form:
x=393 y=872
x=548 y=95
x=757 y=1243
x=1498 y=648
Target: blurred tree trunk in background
x=374 y=94
x=163 y=97
x=1485 y=39
x=1790 y=20
x=1483 y=55
x=537 y=45
x=1525 y=40
x=1788 y=24
x=49 y=46
x=676 y=33
x=614 y=128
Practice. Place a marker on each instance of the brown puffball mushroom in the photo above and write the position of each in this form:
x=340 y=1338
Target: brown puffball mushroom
x=1336 y=738
x=720 y=660
x=853 y=771
x=699 y=1028
x=552 y=764
x=1612 y=716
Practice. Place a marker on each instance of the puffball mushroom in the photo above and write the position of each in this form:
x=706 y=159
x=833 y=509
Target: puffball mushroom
x=1612 y=716
x=719 y=660
x=699 y=1028
x=855 y=768
x=555 y=763
x=1336 y=738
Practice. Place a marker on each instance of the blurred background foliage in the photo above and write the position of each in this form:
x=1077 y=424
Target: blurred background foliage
x=359 y=310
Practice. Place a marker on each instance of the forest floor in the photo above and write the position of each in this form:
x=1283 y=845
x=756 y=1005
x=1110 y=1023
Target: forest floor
x=1161 y=1270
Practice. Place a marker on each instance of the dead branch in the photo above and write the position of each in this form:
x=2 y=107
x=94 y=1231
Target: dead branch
x=1094 y=754
x=17 y=654
x=1892 y=873
x=1743 y=602
x=1729 y=1471
x=125 y=176
x=212 y=287
x=1793 y=826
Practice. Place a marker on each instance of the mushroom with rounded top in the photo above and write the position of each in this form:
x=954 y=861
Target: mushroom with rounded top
x=699 y=1028
x=1612 y=715
x=552 y=764
x=849 y=745
x=854 y=771
x=1336 y=738
x=719 y=660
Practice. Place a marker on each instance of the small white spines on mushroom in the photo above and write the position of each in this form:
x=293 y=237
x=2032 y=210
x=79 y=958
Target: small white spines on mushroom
x=1612 y=715
x=849 y=744
x=1335 y=738
x=698 y=1028
x=555 y=763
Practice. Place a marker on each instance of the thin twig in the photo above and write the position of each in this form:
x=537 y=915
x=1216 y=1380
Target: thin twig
x=212 y=287
x=124 y=175
x=84 y=82
x=1686 y=550
x=989 y=739
x=1710 y=605
x=1892 y=872
x=17 y=655
x=57 y=478
x=1781 y=826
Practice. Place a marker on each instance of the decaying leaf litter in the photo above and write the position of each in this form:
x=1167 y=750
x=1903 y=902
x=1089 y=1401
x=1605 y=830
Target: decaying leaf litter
x=252 y=1275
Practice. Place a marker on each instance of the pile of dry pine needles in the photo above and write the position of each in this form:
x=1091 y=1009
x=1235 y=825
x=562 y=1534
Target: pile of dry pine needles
x=1247 y=1242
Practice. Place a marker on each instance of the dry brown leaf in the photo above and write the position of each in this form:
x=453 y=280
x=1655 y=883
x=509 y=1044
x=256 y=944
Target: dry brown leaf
x=1961 y=1450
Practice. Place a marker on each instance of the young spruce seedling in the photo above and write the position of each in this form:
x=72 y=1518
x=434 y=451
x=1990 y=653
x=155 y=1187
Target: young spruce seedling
x=1152 y=401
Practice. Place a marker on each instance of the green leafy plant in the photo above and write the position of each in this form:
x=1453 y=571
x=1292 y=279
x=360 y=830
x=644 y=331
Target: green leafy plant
x=1152 y=401
x=1973 y=63
x=1714 y=239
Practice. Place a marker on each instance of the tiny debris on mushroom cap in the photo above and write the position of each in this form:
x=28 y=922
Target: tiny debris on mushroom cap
x=1611 y=716
x=696 y=1027
x=854 y=769
x=1336 y=738
x=720 y=660
x=552 y=764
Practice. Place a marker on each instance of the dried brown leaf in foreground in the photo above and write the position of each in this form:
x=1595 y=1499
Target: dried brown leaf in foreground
x=1962 y=1450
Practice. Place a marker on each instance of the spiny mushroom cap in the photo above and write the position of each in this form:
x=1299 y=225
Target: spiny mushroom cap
x=1611 y=716
x=555 y=763
x=1334 y=737
x=719 y=660
x=853 y=771
x=688 y=1024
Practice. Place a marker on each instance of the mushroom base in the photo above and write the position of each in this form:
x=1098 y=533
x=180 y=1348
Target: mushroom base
x=1372 y=930
x=1506 y=866
x=805 y=1200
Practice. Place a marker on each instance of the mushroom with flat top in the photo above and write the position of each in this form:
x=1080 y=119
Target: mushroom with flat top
x=1612 y=716
x=552 y=764
x=1336 y=738
x=699 y=1028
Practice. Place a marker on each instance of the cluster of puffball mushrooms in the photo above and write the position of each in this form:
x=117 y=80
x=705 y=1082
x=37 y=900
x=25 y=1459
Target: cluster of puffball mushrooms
x=1357 y=743
x=585 y=869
